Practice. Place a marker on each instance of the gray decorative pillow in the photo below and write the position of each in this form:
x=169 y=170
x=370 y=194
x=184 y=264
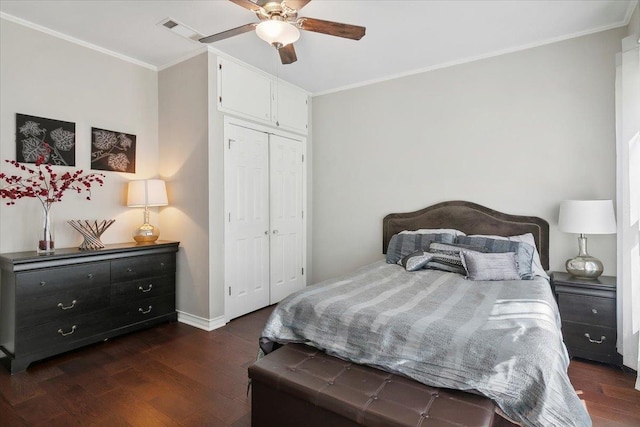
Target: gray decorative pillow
x=402 y=245
x=490 y=266
x=524 y=252
x=446 y=257
x=415 y=261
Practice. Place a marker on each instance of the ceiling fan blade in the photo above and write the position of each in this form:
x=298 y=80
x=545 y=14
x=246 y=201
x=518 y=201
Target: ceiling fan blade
x=229 y=33
x=287 y=54
x=296 y=4
x=347 y=31
x=247 y=5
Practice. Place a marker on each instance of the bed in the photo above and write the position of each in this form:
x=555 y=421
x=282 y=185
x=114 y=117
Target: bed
x=497 y=338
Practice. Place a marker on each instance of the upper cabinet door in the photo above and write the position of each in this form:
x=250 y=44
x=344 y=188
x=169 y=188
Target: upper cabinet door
x=243 y=92
x=291 y=108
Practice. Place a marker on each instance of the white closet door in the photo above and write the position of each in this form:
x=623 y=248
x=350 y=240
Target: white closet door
x=286 y=216
x=247 y=225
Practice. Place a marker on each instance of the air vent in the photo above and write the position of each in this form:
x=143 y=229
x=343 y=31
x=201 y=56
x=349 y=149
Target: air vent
x=180 y=29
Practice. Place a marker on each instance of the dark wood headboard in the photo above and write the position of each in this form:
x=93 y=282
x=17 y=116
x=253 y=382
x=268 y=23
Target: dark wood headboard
x=472 y=219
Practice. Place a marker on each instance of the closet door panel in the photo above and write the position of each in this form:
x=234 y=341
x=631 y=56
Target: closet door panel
x=247 y=226
x=243 y=91
x=285 y=168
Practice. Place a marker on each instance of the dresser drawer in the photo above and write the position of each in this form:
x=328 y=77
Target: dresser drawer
x=588 y=309
x=62 y=306
x=140 y=289
x=49 y=281
x=141 y=267
x=60 y=333
x=144 y=309
x=598 y=345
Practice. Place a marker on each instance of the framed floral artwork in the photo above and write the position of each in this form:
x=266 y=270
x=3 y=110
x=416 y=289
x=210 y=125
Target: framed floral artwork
x=113 y=151
x=54 y=140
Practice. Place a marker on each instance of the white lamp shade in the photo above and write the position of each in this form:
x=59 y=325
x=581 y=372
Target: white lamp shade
x=278 y=32
x=147 y=192
x=587 y=217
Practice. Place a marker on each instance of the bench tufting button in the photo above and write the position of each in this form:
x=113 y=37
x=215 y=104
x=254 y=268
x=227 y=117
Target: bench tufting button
x=330 y=382
x=374 y=397
x=424 y=415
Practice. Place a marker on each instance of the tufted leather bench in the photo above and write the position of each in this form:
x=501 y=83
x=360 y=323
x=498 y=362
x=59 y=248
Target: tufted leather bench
x=299 y=386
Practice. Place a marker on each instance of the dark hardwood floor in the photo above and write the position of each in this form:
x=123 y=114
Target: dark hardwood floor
x=177 y=375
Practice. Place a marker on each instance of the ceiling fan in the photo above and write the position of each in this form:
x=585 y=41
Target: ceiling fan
x=279 y=26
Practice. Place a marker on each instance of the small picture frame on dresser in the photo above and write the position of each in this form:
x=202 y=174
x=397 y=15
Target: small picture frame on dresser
x=588 y=312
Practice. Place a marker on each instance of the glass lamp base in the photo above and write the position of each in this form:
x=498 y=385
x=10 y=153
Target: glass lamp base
x=585 y=267
x=146 y=233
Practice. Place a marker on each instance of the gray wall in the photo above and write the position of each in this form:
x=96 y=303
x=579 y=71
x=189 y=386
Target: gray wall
x=45 y=76
x=517 y=133
x=183 y=148
x=634 y=22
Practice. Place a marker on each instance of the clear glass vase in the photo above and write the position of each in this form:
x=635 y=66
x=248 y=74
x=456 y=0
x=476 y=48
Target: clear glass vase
x=45 y=239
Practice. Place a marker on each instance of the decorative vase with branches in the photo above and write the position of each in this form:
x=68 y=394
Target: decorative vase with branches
x=44 y=184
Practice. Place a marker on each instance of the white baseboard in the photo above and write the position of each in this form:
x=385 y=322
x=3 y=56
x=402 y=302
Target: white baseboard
x=201 y=322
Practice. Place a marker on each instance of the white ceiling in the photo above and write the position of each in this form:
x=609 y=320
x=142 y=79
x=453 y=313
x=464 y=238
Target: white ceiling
x=402 y=36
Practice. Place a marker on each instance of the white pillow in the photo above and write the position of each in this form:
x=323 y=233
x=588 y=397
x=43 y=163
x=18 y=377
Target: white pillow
x=435 y=231
x=536 y=264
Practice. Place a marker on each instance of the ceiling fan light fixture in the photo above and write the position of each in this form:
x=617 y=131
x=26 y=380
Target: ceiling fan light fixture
x=277 y=33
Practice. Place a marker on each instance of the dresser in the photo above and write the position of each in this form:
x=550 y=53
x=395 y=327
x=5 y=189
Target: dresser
x=54 y=303
x=588 y=312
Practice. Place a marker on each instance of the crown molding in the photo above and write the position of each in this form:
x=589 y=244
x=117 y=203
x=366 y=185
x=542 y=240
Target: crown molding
x=74 y=40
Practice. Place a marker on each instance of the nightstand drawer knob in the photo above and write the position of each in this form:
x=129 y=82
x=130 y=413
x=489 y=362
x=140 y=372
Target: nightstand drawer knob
x=68 y=307
x=145 y=311
x=141 y=289
x=594 y=311
x=602 y=338
x=64 y=334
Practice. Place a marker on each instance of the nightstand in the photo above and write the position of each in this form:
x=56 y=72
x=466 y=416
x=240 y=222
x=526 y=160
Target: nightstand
x=588 y=313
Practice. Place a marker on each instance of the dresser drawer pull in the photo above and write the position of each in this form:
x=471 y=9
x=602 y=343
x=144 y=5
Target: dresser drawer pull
x=64 y=334
x=129 y=270
x=140 y=288
x=69 y=307
x=162 y=265
x=90 y=276
x=594 y=311
x=43 y=283
x=602 y=338
x=145 y=311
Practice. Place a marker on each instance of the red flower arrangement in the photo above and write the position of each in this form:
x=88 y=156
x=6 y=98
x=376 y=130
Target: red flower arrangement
x=45 y=185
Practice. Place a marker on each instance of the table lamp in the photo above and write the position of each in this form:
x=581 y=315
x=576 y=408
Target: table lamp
x=586 y=217
x=145 y=193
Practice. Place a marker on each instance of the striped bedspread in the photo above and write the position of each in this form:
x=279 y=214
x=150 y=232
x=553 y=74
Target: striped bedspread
x=501 y=339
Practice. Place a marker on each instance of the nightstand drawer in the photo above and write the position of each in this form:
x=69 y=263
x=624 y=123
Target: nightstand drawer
x=61 y=279
x=61 y=306
x=588 y=341
x=587 y=309
x=139 y=289
x=133 y=268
